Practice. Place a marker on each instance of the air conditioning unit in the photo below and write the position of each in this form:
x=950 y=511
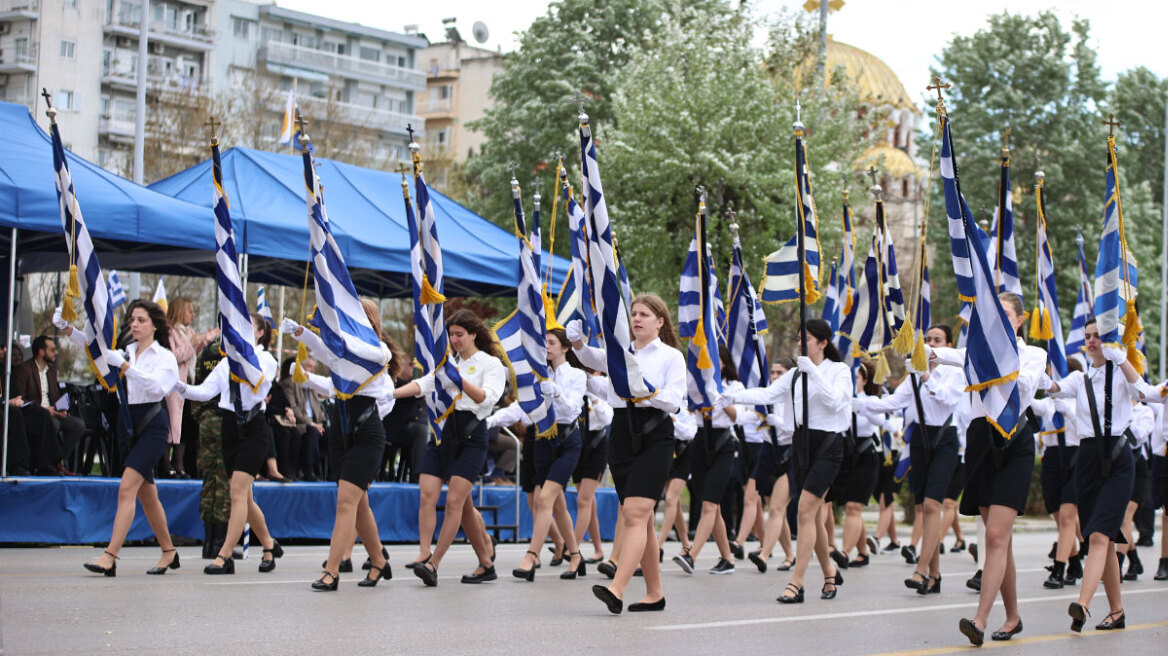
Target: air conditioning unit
x=124 y=42
x=5 y=28
x=157 y=48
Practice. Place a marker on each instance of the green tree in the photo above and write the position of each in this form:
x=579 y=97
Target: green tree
x=1138 y=102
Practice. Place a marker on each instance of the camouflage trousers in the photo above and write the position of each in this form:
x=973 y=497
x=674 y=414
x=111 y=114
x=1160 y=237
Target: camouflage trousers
x=215 y=501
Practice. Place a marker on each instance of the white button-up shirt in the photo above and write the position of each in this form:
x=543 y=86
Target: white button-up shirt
x=1074 y=387
x=573 y=384
x=218 y=383
x=152 y=373
x=940 y=395
x=481 y=369
x=377 y=387
x=662 y=366
x=829 y=398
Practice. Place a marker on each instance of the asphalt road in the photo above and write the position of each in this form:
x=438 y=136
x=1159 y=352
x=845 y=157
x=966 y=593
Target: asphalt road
x=50 y=605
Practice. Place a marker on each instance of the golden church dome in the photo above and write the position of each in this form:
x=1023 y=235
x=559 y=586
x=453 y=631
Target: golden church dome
x=875 y=81
x=891 y=160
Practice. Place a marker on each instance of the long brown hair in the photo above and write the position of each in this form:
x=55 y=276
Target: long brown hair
x=471 y=323
x=562 y=335
x=657 y=306
x=158 y=318
x=265 y=339
x=177 y=309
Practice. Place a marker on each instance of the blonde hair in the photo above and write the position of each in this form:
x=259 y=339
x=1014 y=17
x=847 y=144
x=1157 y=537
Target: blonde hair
x=373 y=313
x=176 y=311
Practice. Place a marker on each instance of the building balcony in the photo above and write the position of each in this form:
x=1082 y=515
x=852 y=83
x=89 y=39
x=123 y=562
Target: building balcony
x=116 y=130
x=199 y=37
x=351 y=67
x=17 y=96
x=18 y=61
x=128 y=81
x=356 y=115
x=427 y=106
x=13 y=10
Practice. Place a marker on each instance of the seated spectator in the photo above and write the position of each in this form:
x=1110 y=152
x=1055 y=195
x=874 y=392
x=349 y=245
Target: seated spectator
x=304 y=408
x=18 y=461
x=52 y=433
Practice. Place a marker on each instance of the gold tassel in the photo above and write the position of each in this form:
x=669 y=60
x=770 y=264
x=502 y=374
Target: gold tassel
x=699 y=339
x=848 y=304
x=1136 y=359
x=74 y=288
x=1132 y=328
x=68 y=313
x=1047 y=333
x=812 y=294
x=549 y=311
x=903 y=342
x=298 y=375
x=882 y=370
x=920 y=358
x=1035 y=324
x=429 y=294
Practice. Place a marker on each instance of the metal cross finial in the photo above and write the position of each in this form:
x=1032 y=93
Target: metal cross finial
x=1111 y=124
x=537 y=184
x=872 y=171
x=511 y=169
x=48 y=96
x=798 y=111
x=301 y=122
x=212 y=123
x=579 y=98
x=410 y=130
x=1006 y=136
x=50 y=111
x=403 y=169
x=937 y=86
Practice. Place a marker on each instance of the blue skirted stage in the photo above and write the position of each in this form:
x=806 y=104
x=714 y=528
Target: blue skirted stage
x=81 y=510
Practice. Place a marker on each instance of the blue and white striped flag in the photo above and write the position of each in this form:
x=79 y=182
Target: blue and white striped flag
x=893 y=317
x=697 y=320
x=1116 y=276
x=117 y=293
x=611 y=307
x=1076 y=339
x=357 y=351
x=847 y=262
x=904 y=461
x=924 y=314
x=991 y=351
x=237 y=338
x=1045 y=322
x=858 y=328
x=1003 y=257
x=783 y=268
x=264 y=308
x=85 y=269
x=831 y=304
x=575 y=298
x=525 y=339
x=745 y=327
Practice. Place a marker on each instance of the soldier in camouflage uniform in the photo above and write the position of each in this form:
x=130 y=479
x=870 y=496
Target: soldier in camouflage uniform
x=215 y=501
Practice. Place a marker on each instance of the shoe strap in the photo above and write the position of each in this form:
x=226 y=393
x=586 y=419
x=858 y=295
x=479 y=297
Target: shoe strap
x=163 y=551
x=114 y=556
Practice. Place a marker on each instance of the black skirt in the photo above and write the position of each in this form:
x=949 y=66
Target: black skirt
x=1159 y=482
x=459 y=456
x=357 y=456
x=248 y=451
x=1002 y=480
x=956 y=481
x=712 y=463
x=150 y=440
x=681 y=466
x=886 y=483
x=1140 y=486
x=555 y=459
x=858 y=473
x=1103 y=501
x=817 y=459
x=931 y=474
x=593 y=456
x=640 y=469
x=769 y=466
x=1058 y=477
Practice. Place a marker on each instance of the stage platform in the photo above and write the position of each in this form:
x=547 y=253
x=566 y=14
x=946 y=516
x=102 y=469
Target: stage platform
x=81 y=510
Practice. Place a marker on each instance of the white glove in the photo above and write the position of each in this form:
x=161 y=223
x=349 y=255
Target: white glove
x=575 y=330
x=723 y=402
x=857 y=404
x=115 y=358
x=179 y=387
x=549 y=388
x=288 y=326
x=58 y=322
x=773 y=420
x=1044 y=382
x=1114 y=354
x=805 y=364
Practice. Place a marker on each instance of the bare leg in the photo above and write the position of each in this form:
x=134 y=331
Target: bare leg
x=932 y=530
x=429 y=489
x=594 y=532
x=751 y=504
x=853 y=526
x=722 y=538
x=563 y=521
x=810 y=530
x=673 y=511
x=366 y=525
x=457 y=494
x=550 y=492
x=585 y=503
x=259 y=524
x=476 y=533
x=1066 y=516
x=637 y=540
x=995 y=561
x=776 y=520
x=918 y=525
x=710 y=510
x=240 y=495
x=828 y=522
x=951 y=512
x=152 y=507
x=345 y=526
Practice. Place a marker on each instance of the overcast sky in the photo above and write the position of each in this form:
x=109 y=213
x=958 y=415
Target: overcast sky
x=906 y=34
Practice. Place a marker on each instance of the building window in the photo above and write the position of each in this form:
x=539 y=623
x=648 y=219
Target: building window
x=271 y=34
x=241 y=28
x=66 y=100
x=70 y=4
x=68 y=49
x=401 y=62
x=444 y=92
x=370 y=54
x=105 y=106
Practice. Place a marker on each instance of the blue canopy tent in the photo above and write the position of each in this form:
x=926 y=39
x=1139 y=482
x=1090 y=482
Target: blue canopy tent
x=368 y=218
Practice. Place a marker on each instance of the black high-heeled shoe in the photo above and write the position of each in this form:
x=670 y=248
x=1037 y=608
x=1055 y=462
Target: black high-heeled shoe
x=1109 y=624
x=417 y=563
x=526 y=574
x=913 y=583
x=557 y=560
x=428 y=573
x=607 y=568
x=795 y=598
x=932 y=585
x=756 y=558
x=841 y=561
x=969 y=630
x=368 y=564
x=1006 y=635
x=112 y=570
x=1079 y=615
x=488 y=574
x=321 y=586
x=228 y=566
x=579 y=570
x=383 y=572
x=174 y=564
x=277 y=552
x=834 y=582
x=615 y=605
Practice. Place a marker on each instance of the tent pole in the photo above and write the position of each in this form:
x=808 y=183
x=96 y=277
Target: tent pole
x=8 y=360
x=280 y=335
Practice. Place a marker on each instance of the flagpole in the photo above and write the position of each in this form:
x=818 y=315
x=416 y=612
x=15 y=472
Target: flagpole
x=1164 y=256
x=704 y=280
x=11 y=335
x=801 y=254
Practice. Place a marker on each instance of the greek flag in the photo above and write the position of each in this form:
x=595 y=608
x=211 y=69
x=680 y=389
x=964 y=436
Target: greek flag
x=525 y=340
x=1002 y=256
x=831 y=304
x=924 y=308
x=991 y=355
x=263 y=308
x=847 y=262
x=697 y=321
x=430 y=341
x=1045 y=323
x=358 y=355
x=746 y=324
x=890 y=279
x=858 y=327
x=904 y=461
x=1115 y=273
x=1076 y=340
x=117 y=293
x=84 y=270
x=611 y=307
x=237 y=339
x=575 y=297
x=783 y=268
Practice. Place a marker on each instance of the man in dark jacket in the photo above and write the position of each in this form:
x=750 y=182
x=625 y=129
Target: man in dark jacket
x=52 y=433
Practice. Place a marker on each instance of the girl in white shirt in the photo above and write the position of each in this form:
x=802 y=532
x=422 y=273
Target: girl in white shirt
x=149 y=371
x=856 y=481
x=1142 y=424
x=640 y=475
x=596 y=419
x=462 y=451
x=245 y=447
x=817 y=423
x=685 y=427
x=1058 y=483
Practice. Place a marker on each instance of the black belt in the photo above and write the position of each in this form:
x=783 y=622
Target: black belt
x=865 y=445
x=638 y=430
x=462 y=431
x=724 y=437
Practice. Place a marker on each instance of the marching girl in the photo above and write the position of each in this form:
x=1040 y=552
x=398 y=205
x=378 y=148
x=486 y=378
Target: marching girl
x=1058 y=481
x=460 y=456
x=685 y=429
x=997 y=482
x=149 y=371
x=757 y=436
x=860 y=469
x=640 y=462
x=941 y=335
x=1104 y=470
x=887 y=486
x=245 y=447
x=597 y=417
x=770 y=474
x=556 y=459
x=355 y=456
x=712 y=463
x=1142 y=423
x=817 y=423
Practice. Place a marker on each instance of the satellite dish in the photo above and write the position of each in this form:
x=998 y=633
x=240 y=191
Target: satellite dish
x=480 y=32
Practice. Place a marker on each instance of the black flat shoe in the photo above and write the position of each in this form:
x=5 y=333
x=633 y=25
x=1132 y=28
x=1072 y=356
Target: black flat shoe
x=957 y=547
x=428 y=574
x=268 y=565
x=834 y=582
x=861 y=560
x=932 y=585
x=345 y=566
x=795 y=598
x=1006 y=635
x=974 y=582
x=1079 y=615
x=756 y=558
x=368 y=564
x=228 y=566
x=641 y=607
x=321 y=586
x=1114 y=620
x=579 y=570
x=786 y=565
x=174 y=564
x=383 y=572
x=736 y=549
x=600 y=559
x=969 y=630
x=112 y=570
x=416 y=563
x=556 y=560
x=841 y=561
x=488 y=574
x=526 y=574
x=615 y=605
x=607 y=568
